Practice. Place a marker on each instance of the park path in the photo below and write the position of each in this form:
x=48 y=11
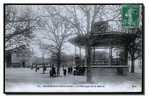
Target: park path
x=25 y=79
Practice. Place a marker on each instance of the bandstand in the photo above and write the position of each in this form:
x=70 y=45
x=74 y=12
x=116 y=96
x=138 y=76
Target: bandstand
x=108 y=41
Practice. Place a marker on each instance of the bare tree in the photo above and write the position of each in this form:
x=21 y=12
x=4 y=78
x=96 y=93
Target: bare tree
x=58 y=32
x=135 y=47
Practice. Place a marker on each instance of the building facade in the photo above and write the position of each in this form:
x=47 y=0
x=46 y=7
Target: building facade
x=18 y=57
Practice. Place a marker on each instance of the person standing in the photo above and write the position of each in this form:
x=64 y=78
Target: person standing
x=64 y=71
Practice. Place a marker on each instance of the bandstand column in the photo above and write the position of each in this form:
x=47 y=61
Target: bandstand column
x=93 y=55
x=110 y=56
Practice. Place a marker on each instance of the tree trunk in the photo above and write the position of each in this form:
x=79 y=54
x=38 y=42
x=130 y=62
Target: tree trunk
x=80 y=56
x=132 y=65
x=43 y=65
x=75 y=50
x=58 y=62
x=88 y=59
x=80 y=51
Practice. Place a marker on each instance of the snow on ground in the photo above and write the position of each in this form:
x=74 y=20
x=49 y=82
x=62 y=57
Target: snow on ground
x=27 y=80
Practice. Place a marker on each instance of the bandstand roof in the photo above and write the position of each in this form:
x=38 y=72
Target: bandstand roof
x=104 y=39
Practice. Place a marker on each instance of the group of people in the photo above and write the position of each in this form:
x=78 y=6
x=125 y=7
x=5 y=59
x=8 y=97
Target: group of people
x=53 y=70
x=66 y=71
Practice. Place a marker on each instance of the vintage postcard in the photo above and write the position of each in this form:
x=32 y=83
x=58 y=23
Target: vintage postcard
x=74 y=48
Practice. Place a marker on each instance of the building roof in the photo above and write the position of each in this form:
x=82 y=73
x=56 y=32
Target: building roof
x=16 y=49
x=104 y=39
